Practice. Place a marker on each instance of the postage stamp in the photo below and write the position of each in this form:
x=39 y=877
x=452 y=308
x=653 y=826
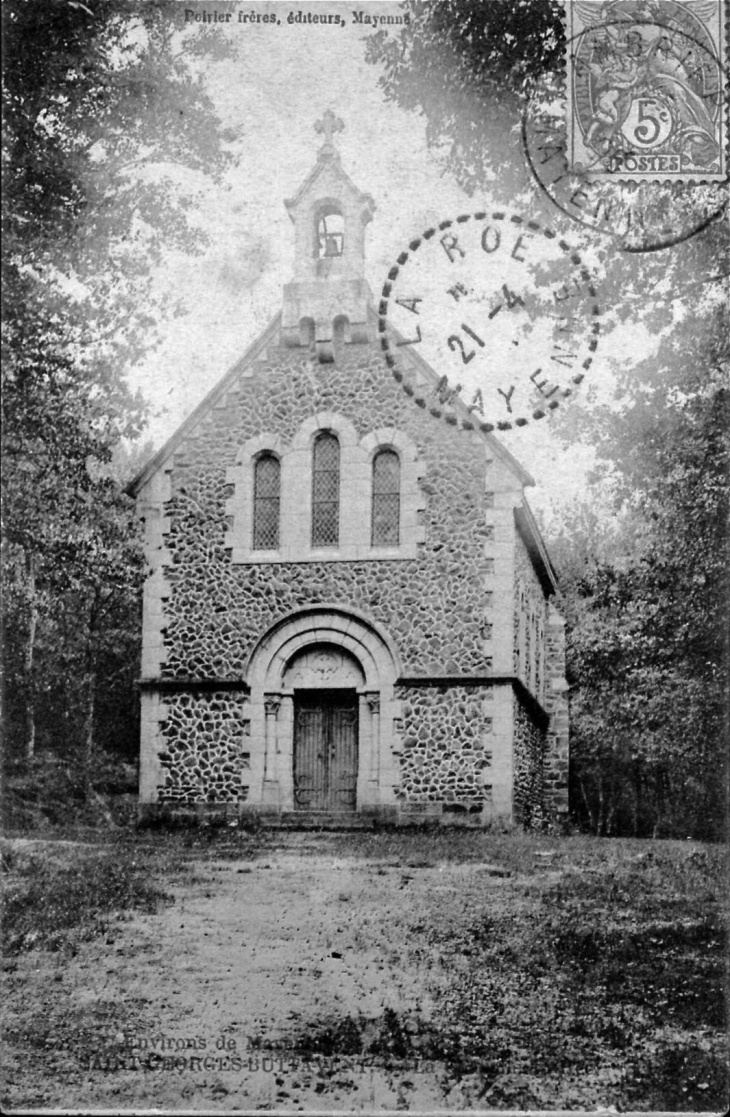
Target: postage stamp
x=641 y=216
x=645 y=89
x=503 y=306
x=323 y=794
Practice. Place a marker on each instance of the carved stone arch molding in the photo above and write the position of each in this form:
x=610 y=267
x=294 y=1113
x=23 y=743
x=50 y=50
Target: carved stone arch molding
x=322 y=646
x=319 y=666
x=325 y=421
x=366 y=639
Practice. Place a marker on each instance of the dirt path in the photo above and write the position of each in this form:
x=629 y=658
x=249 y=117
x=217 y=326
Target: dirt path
x=275 y=952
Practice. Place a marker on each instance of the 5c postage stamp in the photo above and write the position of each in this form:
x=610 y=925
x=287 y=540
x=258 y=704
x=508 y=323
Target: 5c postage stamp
x=645 y=89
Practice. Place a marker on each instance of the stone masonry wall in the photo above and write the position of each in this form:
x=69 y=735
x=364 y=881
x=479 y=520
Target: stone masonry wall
x=529 y=750
x=558 y=739
x=206 y=757
x=432 y=605
x=446 y=746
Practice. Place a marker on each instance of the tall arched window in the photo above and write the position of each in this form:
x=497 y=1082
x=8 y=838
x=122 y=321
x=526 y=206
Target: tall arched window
x=386 y=499
x=266 y=498
x=326 y=491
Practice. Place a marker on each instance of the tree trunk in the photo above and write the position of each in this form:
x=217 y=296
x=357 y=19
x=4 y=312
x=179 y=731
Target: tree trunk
x=601 y=805
x=636 y=797
x=88 y=739
x=88 y=743
x=92 y=797
x=591 y=813
x=661 y=802
x=611 y=810
x=29 y=660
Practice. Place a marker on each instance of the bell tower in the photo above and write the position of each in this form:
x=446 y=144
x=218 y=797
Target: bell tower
x=328 y=296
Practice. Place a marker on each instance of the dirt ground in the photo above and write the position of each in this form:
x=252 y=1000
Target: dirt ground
x=221 y=986
x=241 y=994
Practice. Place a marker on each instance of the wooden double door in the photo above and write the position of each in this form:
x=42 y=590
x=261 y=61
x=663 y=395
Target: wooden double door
x=325 y=750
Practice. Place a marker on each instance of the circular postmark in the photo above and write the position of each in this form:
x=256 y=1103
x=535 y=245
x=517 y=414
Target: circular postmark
x=631 y=140
x=502 y=307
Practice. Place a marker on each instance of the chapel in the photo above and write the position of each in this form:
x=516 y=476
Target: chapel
x=348 y=612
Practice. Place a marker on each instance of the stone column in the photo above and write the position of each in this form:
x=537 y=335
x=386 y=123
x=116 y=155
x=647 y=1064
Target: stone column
x=368 y=764
x=285 y=752
x=270 y=796
x=502 y=706
x=151 y=772
x=373 y=703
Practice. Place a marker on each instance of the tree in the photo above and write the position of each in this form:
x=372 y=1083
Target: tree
x=467 y=66
x=646 y=595
x=109 y=136
x=647 y=602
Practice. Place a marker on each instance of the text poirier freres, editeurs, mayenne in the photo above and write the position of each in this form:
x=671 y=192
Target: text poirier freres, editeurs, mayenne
x=295 y=16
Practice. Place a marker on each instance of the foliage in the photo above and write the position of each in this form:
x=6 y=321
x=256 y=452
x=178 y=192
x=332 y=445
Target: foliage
x=51 y=793
x=50 y=903
x=598 y=980
x=592 y=975
x=646 y=594
x=466 y=66
x=86 y=646
x=605 y=988
x=648 y=606
x=108 y=139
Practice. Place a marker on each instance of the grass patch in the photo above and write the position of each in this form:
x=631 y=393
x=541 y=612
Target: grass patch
x=386 y=1039
x=594 y=975
x=588 y=972
x=606 y=983
x=48 y=794
x=59 y=892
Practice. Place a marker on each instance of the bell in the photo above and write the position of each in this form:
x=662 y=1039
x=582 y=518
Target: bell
x=332 y=248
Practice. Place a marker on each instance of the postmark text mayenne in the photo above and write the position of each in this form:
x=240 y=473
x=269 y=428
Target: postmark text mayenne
x=503 y=307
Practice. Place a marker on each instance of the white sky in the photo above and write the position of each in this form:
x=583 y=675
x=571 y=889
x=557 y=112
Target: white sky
x=282 y=80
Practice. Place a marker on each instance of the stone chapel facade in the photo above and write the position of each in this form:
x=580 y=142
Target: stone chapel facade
x=348 y=606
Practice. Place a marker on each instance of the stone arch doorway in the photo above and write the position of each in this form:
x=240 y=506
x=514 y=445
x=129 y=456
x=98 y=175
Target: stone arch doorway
x=325 y=680
x=322 y=712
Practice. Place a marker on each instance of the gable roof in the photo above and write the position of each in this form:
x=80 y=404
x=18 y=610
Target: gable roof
x=524 y=519
x=270 y=335
x=256 y=349
x=536 y=549
x=329 y=164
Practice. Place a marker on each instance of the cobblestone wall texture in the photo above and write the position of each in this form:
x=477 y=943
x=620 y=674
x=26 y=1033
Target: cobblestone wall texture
x=431 y=605
x=529 y=750
x=205 y=757
x=558 y=743
x=446 y=746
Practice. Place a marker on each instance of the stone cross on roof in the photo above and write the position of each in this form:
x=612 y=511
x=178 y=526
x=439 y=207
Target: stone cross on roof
x=329 y=124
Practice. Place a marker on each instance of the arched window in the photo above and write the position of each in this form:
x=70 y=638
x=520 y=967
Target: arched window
x=326 y=491
x=266 y=497
x=386 y=499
